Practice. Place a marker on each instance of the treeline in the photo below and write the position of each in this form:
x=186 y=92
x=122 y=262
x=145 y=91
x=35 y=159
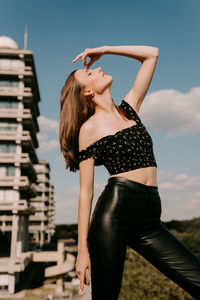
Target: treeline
x=188 y=231
x=141 y=280
x=65 y=231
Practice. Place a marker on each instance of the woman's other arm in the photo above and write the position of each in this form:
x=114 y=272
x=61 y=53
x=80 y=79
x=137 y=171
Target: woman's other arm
x=86 y=172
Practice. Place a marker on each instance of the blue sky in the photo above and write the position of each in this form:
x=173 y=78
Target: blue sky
x=59 y=30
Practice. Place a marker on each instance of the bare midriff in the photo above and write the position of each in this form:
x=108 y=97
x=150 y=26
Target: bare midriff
x=146 y=175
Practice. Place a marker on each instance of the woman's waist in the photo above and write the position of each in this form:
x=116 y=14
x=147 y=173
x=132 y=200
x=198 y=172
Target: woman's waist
x=146 y=176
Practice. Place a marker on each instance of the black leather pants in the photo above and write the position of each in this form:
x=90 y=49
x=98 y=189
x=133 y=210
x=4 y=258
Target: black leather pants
x=128 y=213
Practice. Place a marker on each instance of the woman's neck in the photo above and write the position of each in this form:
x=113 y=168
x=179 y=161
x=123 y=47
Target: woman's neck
x=104 y=103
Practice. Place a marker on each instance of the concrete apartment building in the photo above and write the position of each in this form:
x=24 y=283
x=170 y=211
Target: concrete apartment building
x=26 y=194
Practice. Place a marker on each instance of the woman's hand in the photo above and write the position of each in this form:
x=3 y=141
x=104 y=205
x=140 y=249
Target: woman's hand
x=93 y=53
x=82 y=263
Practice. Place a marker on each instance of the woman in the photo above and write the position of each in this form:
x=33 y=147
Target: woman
x=95 y=131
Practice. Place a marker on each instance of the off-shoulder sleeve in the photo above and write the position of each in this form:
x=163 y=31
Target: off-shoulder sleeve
x=94 y=150
x=130 y=111
x=89 y=152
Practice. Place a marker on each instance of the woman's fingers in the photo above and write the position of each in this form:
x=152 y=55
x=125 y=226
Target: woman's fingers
x=81 y=277
x=84 y=60
x=92 y=60
x=82 y=55
x=77 y=57
x=93 y=54
x=85 y=54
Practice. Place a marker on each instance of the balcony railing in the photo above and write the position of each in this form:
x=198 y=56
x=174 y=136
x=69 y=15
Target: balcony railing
x=23 y=136
x=21 y=183
x=22 y=205
x=39 y=199
x=15 y=91
x=22 y=158
x=15 y=113
x=27 y=71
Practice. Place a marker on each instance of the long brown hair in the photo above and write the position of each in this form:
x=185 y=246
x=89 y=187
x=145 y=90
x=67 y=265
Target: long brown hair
x=75 y=109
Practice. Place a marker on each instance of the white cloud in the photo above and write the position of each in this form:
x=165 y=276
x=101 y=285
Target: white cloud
x=172 y=112
x=46 y=145
x=181 y=182
x=48 y=127
x=180 y=196
x=197 y=194
x=163 y=174
x=47 y=124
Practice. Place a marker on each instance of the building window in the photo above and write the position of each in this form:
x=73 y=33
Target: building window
x=8 y=126
x=34 y=223
x=9 y=223
x=10 y=171
x=9 y=83
x=8 y=104
x=7 y=170
x=7 y=148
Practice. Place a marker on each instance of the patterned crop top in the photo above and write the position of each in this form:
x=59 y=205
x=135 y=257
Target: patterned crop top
x=128 y=149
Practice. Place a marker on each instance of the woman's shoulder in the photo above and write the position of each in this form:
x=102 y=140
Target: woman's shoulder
x=88 y=133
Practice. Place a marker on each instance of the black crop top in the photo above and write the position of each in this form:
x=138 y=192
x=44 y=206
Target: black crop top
x=128 y=149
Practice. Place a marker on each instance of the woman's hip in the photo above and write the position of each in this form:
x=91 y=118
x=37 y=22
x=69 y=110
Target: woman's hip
x=127 y=207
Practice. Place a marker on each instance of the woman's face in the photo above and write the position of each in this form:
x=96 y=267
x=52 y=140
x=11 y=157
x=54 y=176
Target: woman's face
x=94 y=80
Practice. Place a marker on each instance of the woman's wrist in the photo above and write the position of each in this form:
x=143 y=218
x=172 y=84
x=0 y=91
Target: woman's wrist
x=82 y=249
x=105 y=49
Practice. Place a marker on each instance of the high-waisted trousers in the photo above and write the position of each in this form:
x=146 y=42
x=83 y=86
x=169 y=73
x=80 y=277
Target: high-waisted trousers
x=128 y=213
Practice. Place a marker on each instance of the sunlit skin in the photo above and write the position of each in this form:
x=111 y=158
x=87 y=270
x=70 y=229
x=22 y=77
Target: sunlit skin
x=97 y=85
x=94 y=80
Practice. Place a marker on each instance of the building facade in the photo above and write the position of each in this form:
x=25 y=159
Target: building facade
x=41 y=224
x=20 y=178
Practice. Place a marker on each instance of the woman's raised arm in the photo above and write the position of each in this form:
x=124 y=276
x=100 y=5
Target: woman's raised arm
x=147 y=55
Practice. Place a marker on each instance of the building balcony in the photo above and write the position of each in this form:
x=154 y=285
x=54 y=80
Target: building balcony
x=42 y=189
x=44 y=180
x=12 y=91
x=25 y=116
x=19 y=159
x=33 y=228
x=38 y=218
x=21 y=206
x=20 y=72
x=42 y=169
x=50 y=213
x=24 y=137
x=8 y=265
x=39 y=199
x=22 y=183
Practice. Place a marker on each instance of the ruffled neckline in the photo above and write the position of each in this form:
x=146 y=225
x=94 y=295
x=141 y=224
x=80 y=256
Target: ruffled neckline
x=104 y=138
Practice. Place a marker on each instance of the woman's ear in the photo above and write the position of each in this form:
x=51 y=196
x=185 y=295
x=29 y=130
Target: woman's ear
x=88 y=93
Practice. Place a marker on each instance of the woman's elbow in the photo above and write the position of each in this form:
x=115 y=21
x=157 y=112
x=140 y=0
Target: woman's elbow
x=156 y=51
